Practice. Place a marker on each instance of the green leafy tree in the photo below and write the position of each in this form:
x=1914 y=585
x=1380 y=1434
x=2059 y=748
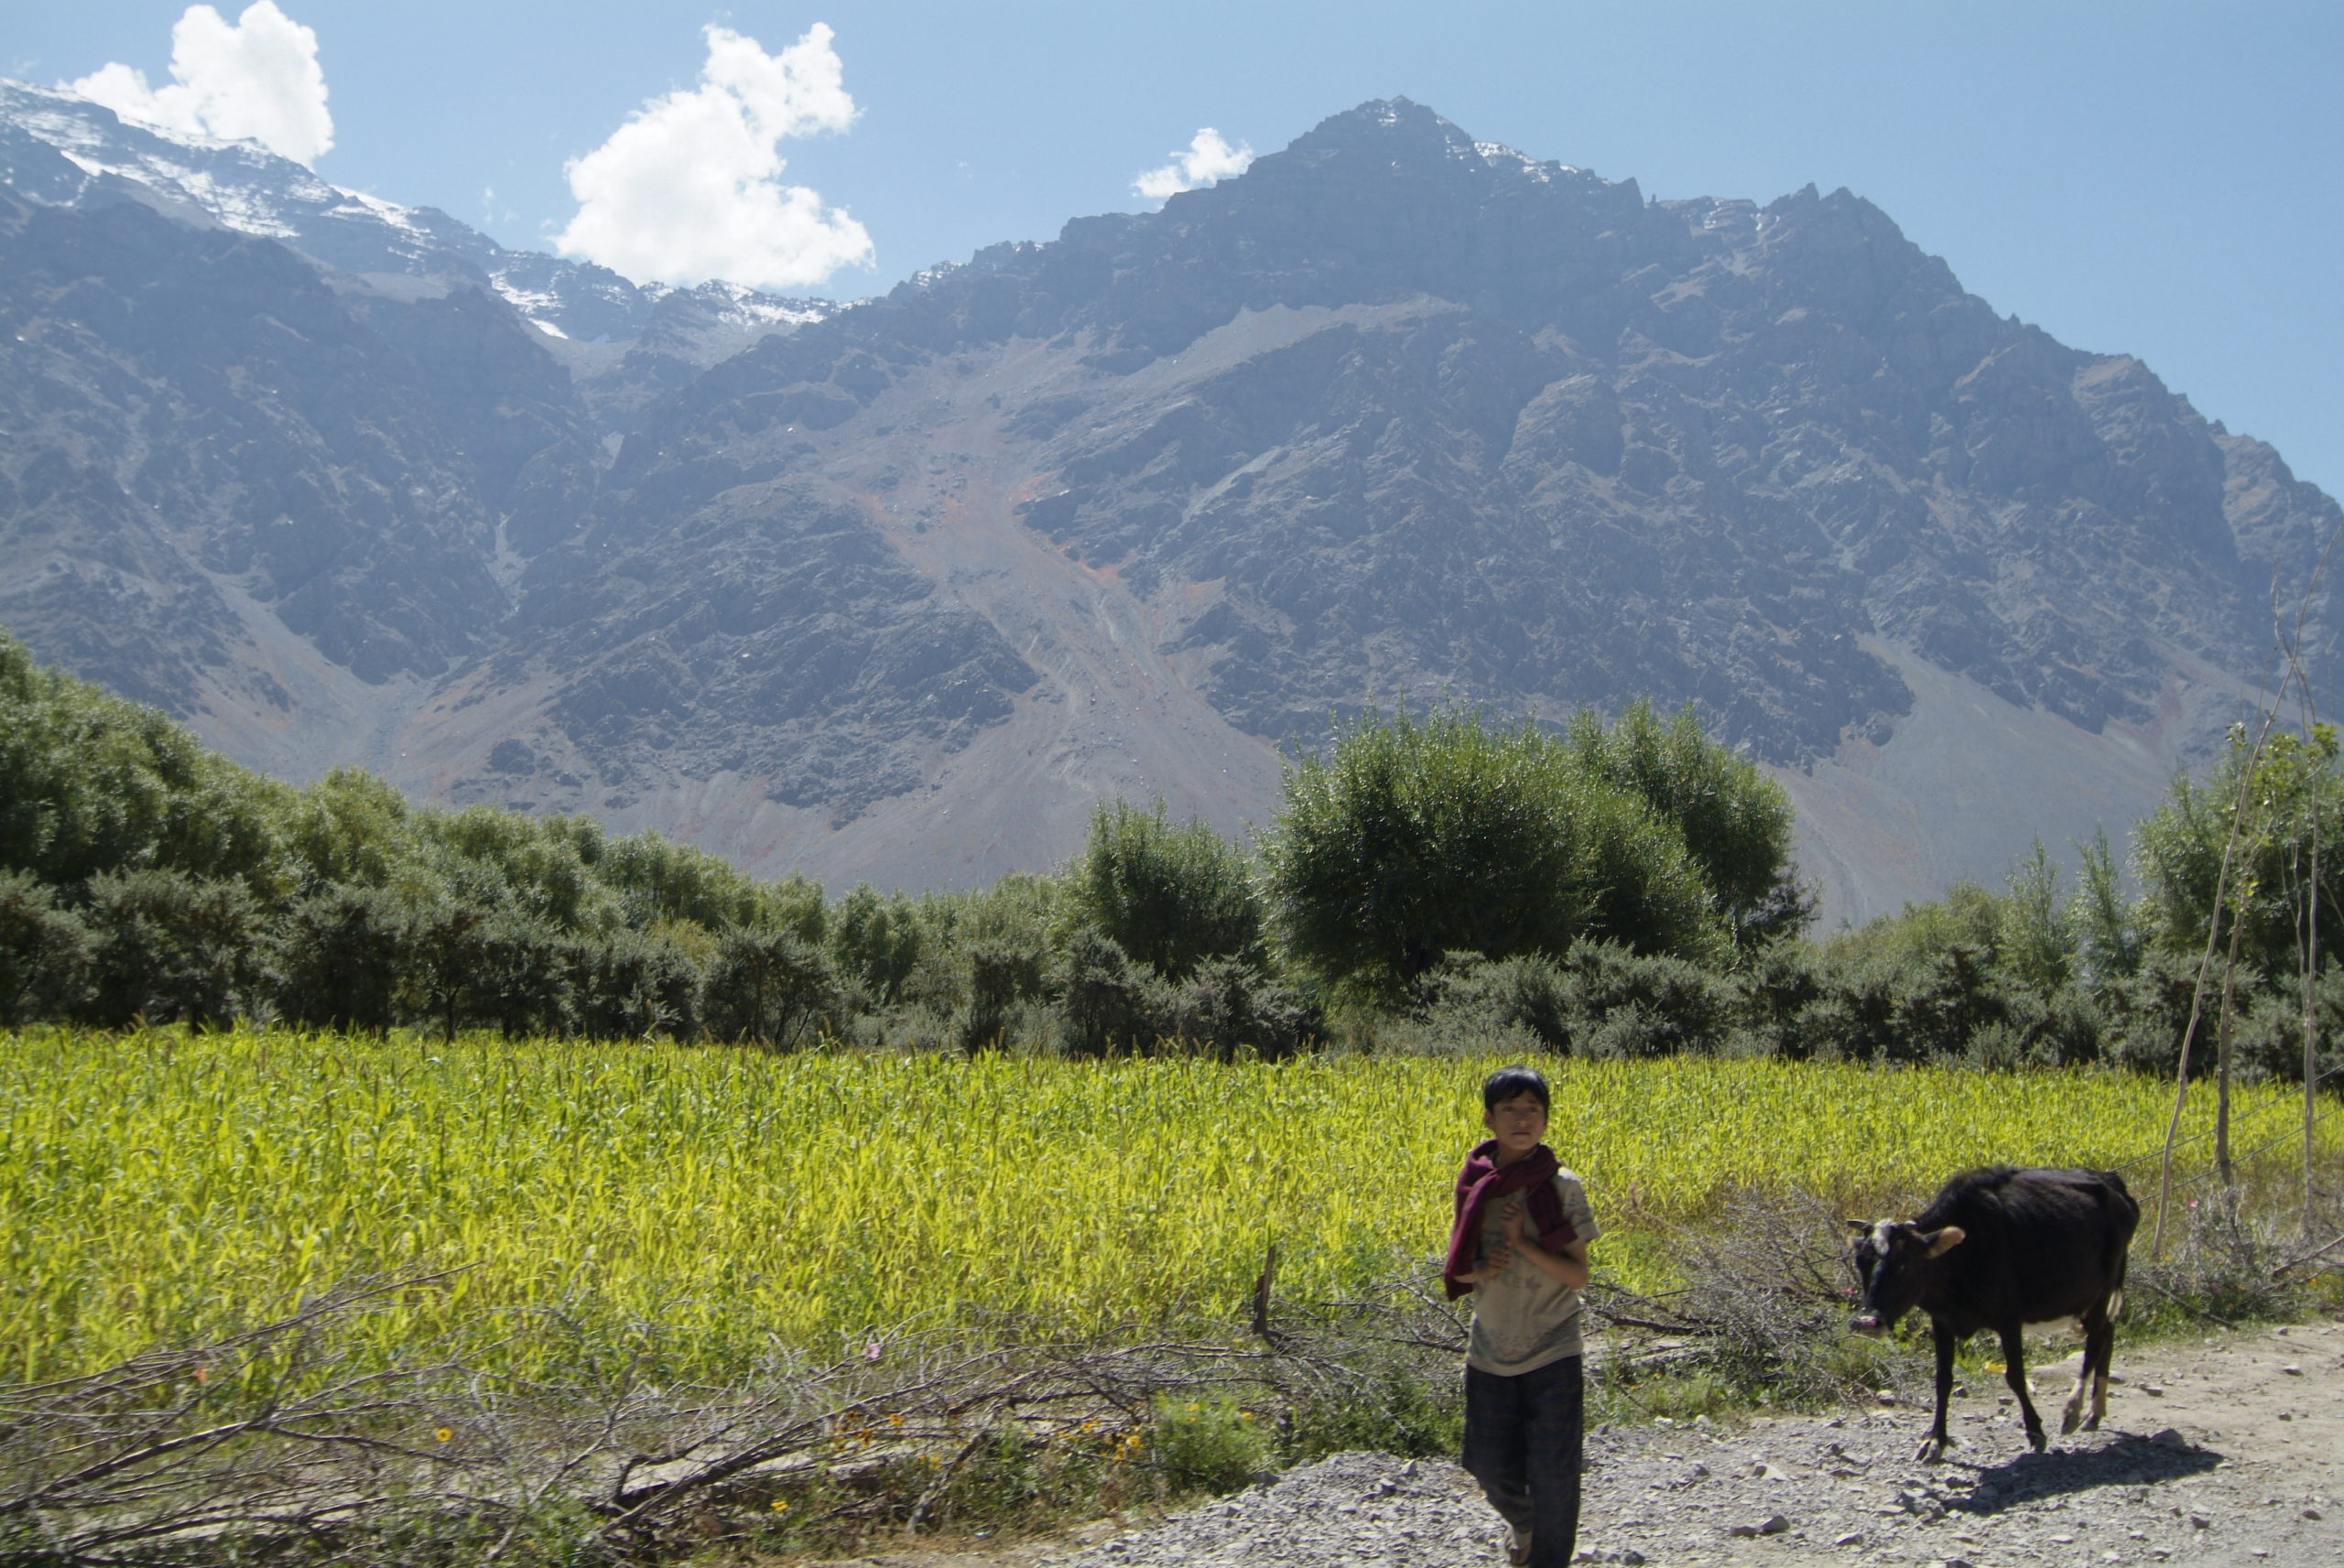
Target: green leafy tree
x=1170 y=897
x=349 y=828
x=170 y=948
x=522 y=985
x=2100 y=923
x=90 y=785
x=1736 y=822
x=876 y=943
x=341 y=954
x=630 y=985
x=2286 y=799
x=1411 y=839
x=44 y=953
x=765 y=986
x=2034 y=943
x=447 y=942
x=658 y=879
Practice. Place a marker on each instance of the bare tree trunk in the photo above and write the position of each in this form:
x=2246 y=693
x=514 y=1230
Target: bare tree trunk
x=2311 y=1024
x=2222 y=1059
x=2293 y=646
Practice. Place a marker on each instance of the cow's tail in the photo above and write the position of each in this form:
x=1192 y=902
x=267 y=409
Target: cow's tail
x=2128 y=1211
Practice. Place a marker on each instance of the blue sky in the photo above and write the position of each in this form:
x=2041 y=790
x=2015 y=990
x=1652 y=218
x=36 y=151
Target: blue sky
x=2159 y=179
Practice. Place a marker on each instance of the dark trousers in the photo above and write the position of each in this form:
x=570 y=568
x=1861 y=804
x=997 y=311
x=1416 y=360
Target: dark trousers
x=1524 y=1441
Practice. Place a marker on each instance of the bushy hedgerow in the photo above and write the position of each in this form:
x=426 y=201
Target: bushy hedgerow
x=1437 y=883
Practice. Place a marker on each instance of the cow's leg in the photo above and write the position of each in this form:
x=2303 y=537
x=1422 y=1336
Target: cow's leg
x=2071 y=1414
x=1938 y=1440
x=2015 y=1374
x=2099 y=1349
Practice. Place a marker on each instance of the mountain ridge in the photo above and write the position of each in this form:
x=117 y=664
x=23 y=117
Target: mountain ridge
x=1396 y=416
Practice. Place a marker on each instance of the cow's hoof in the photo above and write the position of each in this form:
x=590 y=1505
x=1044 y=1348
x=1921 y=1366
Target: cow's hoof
x=1930 y=1450
x=2067 y=1422
x=2092 y=1424
x=2038 y=1440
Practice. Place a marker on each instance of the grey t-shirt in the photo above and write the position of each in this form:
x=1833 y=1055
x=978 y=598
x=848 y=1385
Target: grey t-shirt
x=1523 y=1319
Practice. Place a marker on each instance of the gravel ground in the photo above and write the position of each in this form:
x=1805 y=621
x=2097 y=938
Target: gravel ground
x=2230 y=1451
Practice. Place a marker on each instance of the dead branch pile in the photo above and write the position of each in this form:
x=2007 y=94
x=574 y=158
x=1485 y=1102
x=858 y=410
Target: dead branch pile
x=274 y=1438
x=1764 y=1305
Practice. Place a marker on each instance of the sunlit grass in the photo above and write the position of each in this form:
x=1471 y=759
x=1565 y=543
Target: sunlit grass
x=157 y=1186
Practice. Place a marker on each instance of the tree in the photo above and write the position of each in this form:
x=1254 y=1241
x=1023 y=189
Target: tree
x=630 y=985
x=2288 y=795
x=340 y=955
x=876 y=942
x=44 y=953
x=522 y=982
x=2034 y=945
x=765 y=986
x=1411 y=839
x=1736 y=822
x=90 y=784
x=1170 y=897
x=447 y=937
x=169 y=947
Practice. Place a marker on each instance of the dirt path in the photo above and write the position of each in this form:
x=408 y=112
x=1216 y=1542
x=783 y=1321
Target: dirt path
x=2225 y=1451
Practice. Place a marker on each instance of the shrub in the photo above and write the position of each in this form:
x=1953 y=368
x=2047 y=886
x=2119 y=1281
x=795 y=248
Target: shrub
x=1105 y=1000
x=1206 y=1443
x=1397 y=1399
x=1228 y=1006
x=1624 y=1003
x=1169 y=897
x=2148 y=1011
x=169 y=949
x=1470 y=996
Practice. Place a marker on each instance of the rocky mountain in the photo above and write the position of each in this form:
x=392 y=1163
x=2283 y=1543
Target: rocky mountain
x=899 y=590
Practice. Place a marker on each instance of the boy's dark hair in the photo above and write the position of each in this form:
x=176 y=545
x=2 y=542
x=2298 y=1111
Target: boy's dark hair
x=1508 y=1081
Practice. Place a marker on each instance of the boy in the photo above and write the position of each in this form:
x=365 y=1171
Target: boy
x=1519 y=1244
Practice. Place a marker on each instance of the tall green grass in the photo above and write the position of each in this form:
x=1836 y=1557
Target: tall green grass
x=161 y=1186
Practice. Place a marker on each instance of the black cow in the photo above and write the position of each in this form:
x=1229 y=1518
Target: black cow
x=1998 y=1248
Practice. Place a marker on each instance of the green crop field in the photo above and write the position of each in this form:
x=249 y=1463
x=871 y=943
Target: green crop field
x=161 y=1185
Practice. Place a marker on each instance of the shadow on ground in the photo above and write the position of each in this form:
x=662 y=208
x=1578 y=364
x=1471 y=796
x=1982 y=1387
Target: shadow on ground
x=2129 y=1460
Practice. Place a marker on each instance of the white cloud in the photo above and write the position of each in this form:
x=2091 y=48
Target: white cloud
x=256 y=78
x=689 y=188
x=1208 y=158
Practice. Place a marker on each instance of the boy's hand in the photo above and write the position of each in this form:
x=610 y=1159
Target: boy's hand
x=1501 y=1256
x=1511 y=1215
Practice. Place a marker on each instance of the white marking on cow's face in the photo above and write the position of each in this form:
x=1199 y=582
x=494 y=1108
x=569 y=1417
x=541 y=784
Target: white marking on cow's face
x=1881 y=1234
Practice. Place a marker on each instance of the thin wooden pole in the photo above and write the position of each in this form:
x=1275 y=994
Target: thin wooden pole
x=2222 y=1059
x=2205 y=969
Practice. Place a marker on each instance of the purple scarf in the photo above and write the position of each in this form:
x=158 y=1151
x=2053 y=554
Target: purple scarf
x=1480 y=1186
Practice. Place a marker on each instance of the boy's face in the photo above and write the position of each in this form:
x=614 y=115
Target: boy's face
x=1519 y=1125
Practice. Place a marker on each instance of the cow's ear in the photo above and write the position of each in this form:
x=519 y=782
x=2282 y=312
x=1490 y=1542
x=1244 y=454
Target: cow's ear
x=1946 y=1240
x=1859 y=1225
